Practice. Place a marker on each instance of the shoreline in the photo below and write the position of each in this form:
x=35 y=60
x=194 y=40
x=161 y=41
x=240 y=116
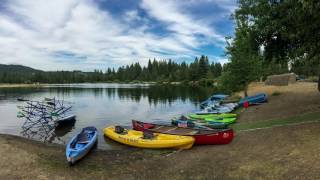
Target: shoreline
x=246 y=157
x=21 y=85
x=160 y=83
x=36 y=85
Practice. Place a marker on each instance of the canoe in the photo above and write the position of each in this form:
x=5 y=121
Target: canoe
x=48 y=99
x=22 y=99
x=79 y=146
x=148 y=140
x=198 y=124
x=201 y=136
x=66 y=120
x=203 y=116
x=254 y=100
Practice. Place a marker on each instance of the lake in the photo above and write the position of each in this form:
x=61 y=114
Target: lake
x=100 y=105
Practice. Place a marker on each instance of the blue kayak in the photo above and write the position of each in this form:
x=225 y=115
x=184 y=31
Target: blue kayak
x=253 y=100
x=216 y=98
x=81 y=144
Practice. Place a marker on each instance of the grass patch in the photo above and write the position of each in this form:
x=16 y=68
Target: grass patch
x=276 y=93
x=238 y=111
x=275 y=122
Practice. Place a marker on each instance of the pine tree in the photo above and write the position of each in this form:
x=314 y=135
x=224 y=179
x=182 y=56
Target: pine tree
x=203 y=67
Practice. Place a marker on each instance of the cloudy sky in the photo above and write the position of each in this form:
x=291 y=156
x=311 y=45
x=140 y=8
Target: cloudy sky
x=95 y=34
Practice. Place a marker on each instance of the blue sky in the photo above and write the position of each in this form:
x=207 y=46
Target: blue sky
x=96 y=34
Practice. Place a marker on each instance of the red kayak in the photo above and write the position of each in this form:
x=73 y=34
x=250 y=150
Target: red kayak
x=201 y=136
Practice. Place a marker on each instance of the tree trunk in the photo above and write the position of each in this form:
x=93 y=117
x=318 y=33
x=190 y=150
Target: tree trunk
x=319 y=83
x=245 y=90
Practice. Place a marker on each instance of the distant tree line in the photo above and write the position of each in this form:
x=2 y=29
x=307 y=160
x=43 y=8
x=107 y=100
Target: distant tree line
x=156 y=70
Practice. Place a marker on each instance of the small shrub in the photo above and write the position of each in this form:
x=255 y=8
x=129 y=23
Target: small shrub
x=206 y=82
x=135 y=82
x=275 y=93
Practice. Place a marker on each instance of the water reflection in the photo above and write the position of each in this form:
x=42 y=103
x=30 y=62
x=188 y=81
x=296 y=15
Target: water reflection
x=155 y=94
x=65 y=128
x=47 y=132
x=42 y=132
x=101 y=105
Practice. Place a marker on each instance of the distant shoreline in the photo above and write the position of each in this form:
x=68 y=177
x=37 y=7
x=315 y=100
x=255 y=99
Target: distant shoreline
x=23 y=85
x=20 y=85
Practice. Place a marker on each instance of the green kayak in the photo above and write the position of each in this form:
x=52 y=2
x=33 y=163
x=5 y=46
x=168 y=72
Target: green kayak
x=223 y=120
x=204 y=116
x=215 y=119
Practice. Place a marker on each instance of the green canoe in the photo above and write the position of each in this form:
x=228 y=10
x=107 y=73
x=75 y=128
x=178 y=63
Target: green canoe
x=204 y=116
x=199 y=124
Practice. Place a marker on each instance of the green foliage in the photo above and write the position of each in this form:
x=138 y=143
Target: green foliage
x=245 y=62
x=216 y=69
x=206 y=82
x=225 y=85
x=270 y=35
x=289 y=32
x=203 y=67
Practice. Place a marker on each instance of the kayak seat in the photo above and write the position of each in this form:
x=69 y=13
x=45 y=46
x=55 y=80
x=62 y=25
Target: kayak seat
x=83 y=142
x=84 y=137
x=148 y=135
x=90 y=128
x=120 y=130
x=183 y=118
x=190 y=125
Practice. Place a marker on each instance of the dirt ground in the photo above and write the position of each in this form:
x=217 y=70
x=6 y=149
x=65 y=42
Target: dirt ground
x=284 y=101
x=287 y=152
x=290 y=152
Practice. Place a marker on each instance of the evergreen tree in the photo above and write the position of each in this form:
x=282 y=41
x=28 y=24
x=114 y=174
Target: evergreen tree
x=203 y=67
x=245 y=63
x=156 y=70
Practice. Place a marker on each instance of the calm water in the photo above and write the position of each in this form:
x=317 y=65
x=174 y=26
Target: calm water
x=100 y=105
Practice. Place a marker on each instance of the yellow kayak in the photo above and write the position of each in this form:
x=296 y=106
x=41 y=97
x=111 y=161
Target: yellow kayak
x=139 y=139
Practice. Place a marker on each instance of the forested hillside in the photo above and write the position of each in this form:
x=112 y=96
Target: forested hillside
x=17 y=73
x=156 y=70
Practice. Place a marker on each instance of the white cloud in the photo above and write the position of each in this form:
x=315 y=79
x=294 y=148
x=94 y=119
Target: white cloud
x=36 y=32
x=229 y=5
x=184 y=25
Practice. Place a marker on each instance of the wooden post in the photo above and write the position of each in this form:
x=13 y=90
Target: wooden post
x=245 y=90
